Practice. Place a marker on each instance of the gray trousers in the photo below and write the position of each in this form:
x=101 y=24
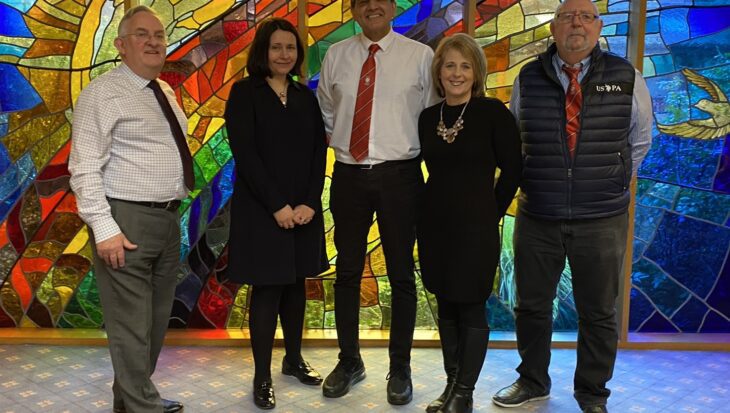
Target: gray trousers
x=137 y=300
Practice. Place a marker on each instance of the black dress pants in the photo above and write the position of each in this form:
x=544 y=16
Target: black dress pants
x=391 y=190
x=595 y=250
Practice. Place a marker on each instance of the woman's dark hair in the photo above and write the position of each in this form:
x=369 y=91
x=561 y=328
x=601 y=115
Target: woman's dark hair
x=258 y=55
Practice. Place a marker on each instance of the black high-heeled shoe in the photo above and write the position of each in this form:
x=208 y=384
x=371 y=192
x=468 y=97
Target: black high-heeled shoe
x=263 y=395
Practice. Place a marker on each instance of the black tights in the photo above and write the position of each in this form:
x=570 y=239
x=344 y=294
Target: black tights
x=268 y=301
x=472 y=315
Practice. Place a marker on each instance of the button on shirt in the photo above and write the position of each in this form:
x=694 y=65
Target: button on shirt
x=641 y=109
x=403 y=88
x=122 y=148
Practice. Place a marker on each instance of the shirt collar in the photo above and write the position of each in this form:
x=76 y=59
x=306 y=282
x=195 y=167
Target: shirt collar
x=384 y=43
x=558 y=63
x=136 y=80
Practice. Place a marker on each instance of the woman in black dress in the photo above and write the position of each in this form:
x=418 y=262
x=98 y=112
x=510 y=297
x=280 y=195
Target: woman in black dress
x=463 y=140
x=278 y=141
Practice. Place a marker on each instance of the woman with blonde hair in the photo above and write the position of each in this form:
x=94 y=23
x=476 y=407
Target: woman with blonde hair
x=464 y=139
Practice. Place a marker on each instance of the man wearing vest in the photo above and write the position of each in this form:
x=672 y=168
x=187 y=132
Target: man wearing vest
x=585 y=118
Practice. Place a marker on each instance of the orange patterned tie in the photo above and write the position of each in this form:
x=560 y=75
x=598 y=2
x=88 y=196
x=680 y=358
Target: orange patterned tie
x=359 y=140
x=573 y=103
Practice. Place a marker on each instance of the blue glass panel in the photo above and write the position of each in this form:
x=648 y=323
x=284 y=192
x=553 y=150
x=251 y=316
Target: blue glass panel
x=706 y=21
x=8 y=181
x=500 y=317
x=193 y=221
x=622 y=29
x=13 y=50
x=663 y=64
x=22 y=5
x=674 y=25
x=13 y=23
x=714 y=323
x=646 y=221
x=654 y=45
x=640 y=309
x=652 y=24
x=692 y=251
x=17 y=93
x=617 y=44
x=704 y=205
x=425 y=8
x=184 y=238
x=722 y=179
x=7 y=204
x=658 y=324
x=665 y=293
x=188 y=289
x=638 y=250
x=689 y=317
x=407 y=18
x=706 y=51
x=719 y=299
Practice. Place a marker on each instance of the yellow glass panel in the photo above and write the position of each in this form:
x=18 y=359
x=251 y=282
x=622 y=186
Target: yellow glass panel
x=26 y=322
x=78 y=242
x=87 y=30
x=193 y=123
x=71 y=7
x=17 y=41
x=236 y=64
x=215 y=125
x=505 y=78
x=329 y=14
x=65 y=295
x=212 y=10
x=59 y=13
x=44 y=31
x=511 y=21
x=189 y=23
x=213 y=107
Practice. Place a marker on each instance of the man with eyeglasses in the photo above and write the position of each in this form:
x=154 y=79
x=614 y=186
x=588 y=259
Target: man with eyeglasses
x=585 y=119
x=130 y=167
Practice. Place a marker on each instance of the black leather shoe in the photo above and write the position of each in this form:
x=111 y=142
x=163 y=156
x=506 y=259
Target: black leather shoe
x=517 y=395
x=168 y=406
x=400 y=387
x=436 y=404
x=263 y=395
x=302 y=371
x=340 y=380
x=459 y=400
x=601 y=408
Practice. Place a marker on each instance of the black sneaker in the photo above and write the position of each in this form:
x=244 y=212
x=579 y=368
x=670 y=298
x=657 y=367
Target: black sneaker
x=340 y=380
x=516 y=395
x=400 y=387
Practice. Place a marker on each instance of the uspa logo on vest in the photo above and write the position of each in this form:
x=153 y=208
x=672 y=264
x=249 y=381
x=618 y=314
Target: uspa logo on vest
x=609 y=88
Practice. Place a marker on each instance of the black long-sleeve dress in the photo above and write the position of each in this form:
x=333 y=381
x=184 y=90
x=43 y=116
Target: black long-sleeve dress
x=280 y=155
x=458 y=234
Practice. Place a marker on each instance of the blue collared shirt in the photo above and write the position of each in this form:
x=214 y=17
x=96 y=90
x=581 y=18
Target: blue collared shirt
x=641 y=110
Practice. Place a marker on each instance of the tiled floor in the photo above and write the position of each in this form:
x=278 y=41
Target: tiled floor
x=215 y=379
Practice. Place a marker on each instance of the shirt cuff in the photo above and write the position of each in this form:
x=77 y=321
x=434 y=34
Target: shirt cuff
x=104 y=229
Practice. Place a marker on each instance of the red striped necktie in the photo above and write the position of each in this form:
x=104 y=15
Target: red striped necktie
x=573 y=103
x=360 y=137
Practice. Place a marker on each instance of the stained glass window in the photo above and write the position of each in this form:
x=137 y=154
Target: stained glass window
x=49 y=52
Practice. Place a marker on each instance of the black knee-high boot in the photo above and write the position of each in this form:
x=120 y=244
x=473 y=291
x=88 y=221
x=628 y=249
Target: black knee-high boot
x=473 y=344
x=449 y=334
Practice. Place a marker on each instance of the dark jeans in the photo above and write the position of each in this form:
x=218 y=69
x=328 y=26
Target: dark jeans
x=595 y=250
x=392 y=191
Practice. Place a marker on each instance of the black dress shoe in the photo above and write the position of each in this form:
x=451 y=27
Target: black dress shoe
x=168 y=406
x=302 y=371
x=517 y=395
x=601 y=408
x=263 y=395
x=340 y=380
x=400 y=387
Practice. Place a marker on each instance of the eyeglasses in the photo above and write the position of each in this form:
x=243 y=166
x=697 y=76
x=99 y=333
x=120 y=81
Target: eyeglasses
x=147 y=36
x=585 y=18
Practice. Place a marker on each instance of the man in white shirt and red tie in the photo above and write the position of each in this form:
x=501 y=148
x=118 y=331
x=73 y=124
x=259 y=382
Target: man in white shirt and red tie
x=130 y=167
x=372 y=88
